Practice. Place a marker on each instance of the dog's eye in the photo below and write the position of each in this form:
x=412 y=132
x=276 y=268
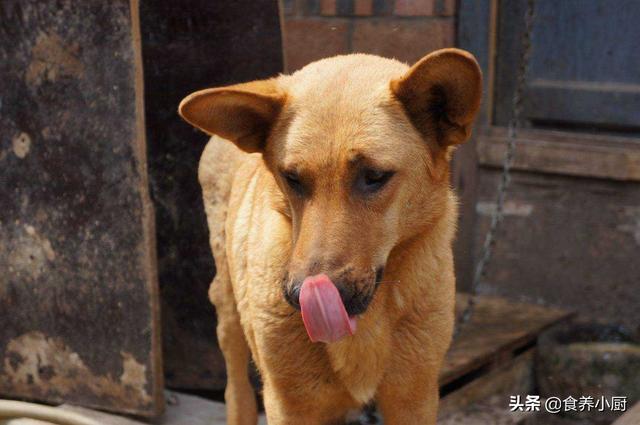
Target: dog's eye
x=371 y=180
x=293 y=181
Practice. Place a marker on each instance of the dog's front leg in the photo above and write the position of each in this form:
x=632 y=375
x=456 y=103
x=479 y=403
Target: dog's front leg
x=410 y=399
x=279 y=412
x=283 y=408
x=409 y=391
x=238 y=394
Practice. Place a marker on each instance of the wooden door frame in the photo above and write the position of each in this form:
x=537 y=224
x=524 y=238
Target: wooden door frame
x=477 y=20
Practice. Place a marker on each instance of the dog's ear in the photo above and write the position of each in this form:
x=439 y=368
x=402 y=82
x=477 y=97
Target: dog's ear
x=441 y=94
x=243 y=113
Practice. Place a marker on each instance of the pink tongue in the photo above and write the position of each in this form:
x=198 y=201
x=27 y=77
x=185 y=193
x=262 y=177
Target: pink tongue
x=323 y=312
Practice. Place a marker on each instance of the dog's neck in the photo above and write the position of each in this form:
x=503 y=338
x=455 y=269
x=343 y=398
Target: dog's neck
x=417 y=276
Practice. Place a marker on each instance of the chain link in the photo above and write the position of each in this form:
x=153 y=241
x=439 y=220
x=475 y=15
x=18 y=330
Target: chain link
x=496 y=218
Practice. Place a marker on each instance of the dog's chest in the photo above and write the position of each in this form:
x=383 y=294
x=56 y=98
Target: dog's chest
x=359 y=364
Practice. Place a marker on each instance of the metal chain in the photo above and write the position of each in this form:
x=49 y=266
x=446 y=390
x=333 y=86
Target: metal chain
x=496 y=218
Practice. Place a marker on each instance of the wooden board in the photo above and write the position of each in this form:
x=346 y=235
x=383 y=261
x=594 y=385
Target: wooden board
x=78 y=290
x=490 y=412
x=580 y=70
x=476 y=33
x=187 y=46
x=514 y=377
x=565 y=241
x=569 y=153
x=497 y=330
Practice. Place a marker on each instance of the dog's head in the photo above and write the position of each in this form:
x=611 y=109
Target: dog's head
x=359 y=147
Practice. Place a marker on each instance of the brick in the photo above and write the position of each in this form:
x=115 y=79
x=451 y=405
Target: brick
x=363 y=7
x=328 y=7
x=445 y=7
x=289 y=7
x=405 y=40
x=415 y=7
x=309 y=39
x=382 y=7
x=307 y=7
x=344 y=7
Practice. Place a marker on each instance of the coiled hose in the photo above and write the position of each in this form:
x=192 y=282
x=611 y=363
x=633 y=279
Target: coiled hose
x=10 y=409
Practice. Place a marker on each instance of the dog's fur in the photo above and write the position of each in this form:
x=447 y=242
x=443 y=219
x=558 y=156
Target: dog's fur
x=293 y=196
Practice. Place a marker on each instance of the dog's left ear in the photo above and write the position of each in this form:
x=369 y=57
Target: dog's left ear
x=441 y=94
x=243 y=113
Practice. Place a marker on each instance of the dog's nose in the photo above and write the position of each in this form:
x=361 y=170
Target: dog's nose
x=292 y=294
x=355 y=301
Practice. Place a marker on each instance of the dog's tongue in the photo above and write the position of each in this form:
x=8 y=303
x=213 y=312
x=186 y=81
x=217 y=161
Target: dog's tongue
x=323 y=312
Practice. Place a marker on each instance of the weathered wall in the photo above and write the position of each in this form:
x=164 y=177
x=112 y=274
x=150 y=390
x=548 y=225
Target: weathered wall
x=565 y=241
x=402 y=29
x=78 y=301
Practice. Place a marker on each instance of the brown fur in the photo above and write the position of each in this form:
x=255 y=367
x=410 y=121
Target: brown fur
x=326 y=123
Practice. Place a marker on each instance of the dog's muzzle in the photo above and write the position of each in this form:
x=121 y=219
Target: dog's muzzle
x=356 y=295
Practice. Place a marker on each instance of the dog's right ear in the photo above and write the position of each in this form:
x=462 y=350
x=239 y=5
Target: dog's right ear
x=243 y=113
x=441 y=93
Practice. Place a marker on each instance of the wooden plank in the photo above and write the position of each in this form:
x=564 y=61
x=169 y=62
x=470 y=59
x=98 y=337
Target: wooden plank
x=497 y=328
x=593 y=82
x=187 y=46
x=560 y=51
x=78 y=288
x=490 y=412
x=476 y=33
x=580 y=69
x=603 y=104
x=565 y=241
x=557 y=152
x=632 y=417
x=510 y=28
x=464 y=180
x=509 y=378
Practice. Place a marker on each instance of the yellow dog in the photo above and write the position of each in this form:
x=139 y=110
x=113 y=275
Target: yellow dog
x=331 y=219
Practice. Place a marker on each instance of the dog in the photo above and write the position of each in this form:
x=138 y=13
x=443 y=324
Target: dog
x=331 y=220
